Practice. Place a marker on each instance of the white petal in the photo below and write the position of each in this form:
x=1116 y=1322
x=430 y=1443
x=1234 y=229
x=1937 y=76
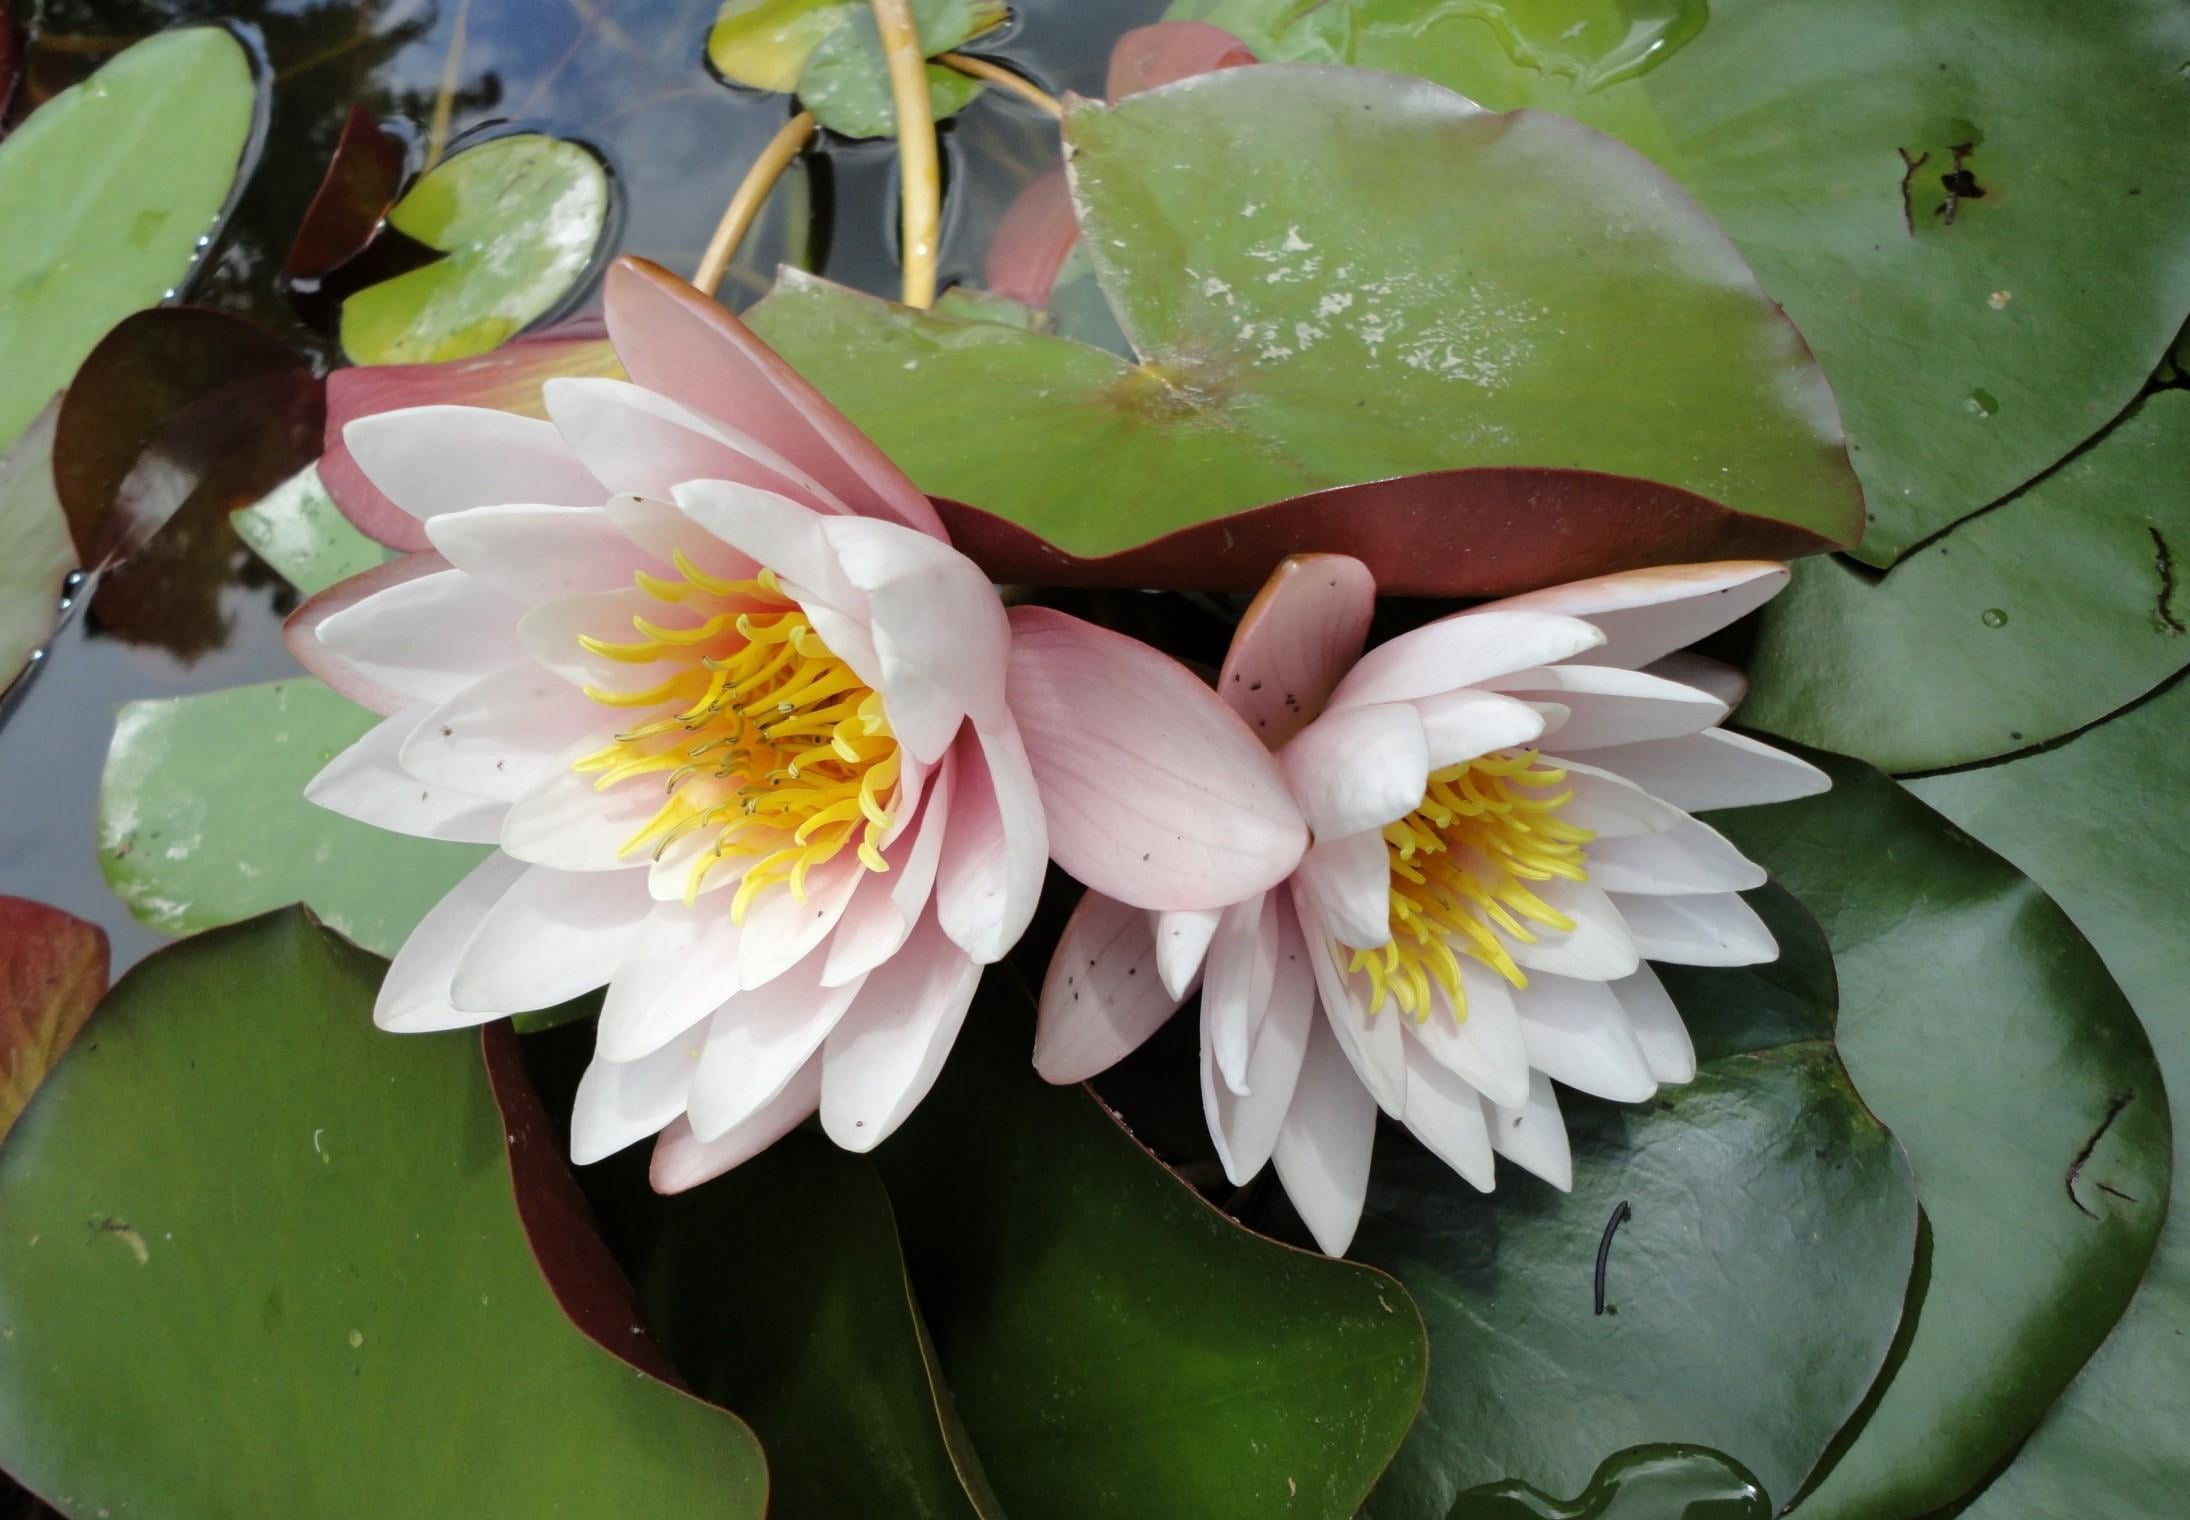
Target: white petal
x=1486 y=1049
x=534 y=553
x=1721 y=680
x=997 y=850
x=554 y=935
x=680 y=967
x=434 y=459
x=1532 y=1135
x=1460 y=725
x=661 y=531
x=1245 y=1126
x=1611 y=806
x=1348 y=883
x=1235 y=992
x=1689 y=857
x=414 y=996
x=1606 y=705
x=1370 y=1041
x=682 y=1160
x=1445 y=1113
x=1714 y=769
x=757 y=1041
x=368 y=782
x=566 y=822
x=1322 y=1149
x=622 y=1102
x=1462 y=650
x=887 y=1051
x=1647 y=614
x=1577 y=1033
x=639 y=441
x=1598 y=948
x=1182 y=942
x=781 y=932
x=1357 y=768
x=777 y=532
x=884 y=909
x=549 y=635
x=1101 y=996
x=1665 y=1043
x=1719 y=930
x=428 y=638
x=502 y=736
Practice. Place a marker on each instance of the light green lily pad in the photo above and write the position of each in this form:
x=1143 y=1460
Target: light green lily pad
x=1972 y=338
x=298 y=529
x=202 y=819
x=519 y=218
x=764 y=44
x=2042 y=615
x=107 y=193
x=36 y=552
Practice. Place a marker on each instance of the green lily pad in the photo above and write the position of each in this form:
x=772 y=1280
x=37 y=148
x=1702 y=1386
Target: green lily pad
x=36 y=552
x=53 y=969
x=1751 y=1292
x=519 y=218
x=1668 y=1482
x=263 y=1259
x=202 y=819
x=764 y=44
x=1982 y=1027
x=846 y=83
x=2043 y=615
x=108 y=192
x=1118 y=1347
x=298 y=529
x=1556 y=303
x=2112 y=1444
x=1914 y=182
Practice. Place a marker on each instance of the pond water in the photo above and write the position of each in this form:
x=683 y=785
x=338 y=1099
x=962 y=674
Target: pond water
x=626 y=77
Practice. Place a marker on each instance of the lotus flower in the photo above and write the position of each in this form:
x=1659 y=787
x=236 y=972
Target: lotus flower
x=1502 y=841
x=760 y=750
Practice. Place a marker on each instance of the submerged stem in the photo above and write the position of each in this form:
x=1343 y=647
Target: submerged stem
x=921 y=185
x=752 y=194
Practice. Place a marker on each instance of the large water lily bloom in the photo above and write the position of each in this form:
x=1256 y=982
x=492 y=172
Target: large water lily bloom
x=1502 y=842
x=760 y=750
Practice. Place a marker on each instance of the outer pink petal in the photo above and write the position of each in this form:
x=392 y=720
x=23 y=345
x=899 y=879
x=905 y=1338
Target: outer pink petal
x=1157 y=793
x=434 y=459
x=1149 y=57
x=1462 y=650
x=682 y=1160
x=1647 y=614
x=300 y=631
x=1102 y=996
x=674 y=340
x=1033 y=239
x=635 y=441
x=997 y=847
x=1299 y=636
x=1358 y=768
x=888 y=1049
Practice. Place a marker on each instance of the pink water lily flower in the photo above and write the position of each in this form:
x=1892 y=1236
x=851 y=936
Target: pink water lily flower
x=1502 y=842
x=760 y=751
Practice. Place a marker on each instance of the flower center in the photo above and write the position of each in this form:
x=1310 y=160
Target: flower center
x=775 y=754
x=1461 y=864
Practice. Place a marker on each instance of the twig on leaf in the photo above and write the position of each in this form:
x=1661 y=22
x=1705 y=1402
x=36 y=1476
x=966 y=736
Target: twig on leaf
x=1004 y=79
x=752 y=193
x=920 y=180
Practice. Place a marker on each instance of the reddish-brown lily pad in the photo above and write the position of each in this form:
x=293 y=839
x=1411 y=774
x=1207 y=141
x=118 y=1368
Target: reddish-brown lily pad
x=363 y=177
x=53 y=970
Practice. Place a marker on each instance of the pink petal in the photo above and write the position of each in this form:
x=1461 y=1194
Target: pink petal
x=1719 y=930
x=683 y=1161
x=1182 y=942
x=300 y=630
x=1101 y=996
x=886 y=1052
x=1714 y=769
x=756 y=1043
x=1235 y=993
x=503 y=735
x=535 y=553
x=1348 y=882
x=639 y=443
x=1358 y=768
x=1608 y=705
x=551 y=937
x=414 y=996
x=1245 y=1126
x=434 y=459
x=1465 y=649
x=938 y=626
x=427 y=637
x=1322 y=1149
x=1664 y=1039
x=1532 y=1135
x=1460 y=725
x=1149 y=57
x=1299 y=636
x=997 y=850
x=620 y=1103
x=367 y=782
x=1033 y=239
x=1647 y=614
x=674 y=340
x=1445 y=1113
x=1576 y=1033
x=679 y=968
x=1157 y=794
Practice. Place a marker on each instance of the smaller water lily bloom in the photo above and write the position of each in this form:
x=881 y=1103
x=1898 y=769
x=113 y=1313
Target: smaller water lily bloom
x=759 y=750
x=1500 y=803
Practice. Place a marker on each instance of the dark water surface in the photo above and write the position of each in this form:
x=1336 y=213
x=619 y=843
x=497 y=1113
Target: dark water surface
x=626 y=77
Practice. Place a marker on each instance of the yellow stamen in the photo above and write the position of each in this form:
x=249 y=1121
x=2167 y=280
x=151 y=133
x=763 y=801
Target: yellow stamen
x=776 y=755
x=1460 y=867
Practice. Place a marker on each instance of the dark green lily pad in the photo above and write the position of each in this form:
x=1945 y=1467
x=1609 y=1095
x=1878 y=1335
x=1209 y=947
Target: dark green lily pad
x=1971 y=208
x=1119 y=1348
x=1982 y=1027
x=263 y=1259
x=519 y=219
x=2094 y=822
x=1642 y=1483
x=107 y=192
x=202 y=819
x=1750 y=1295
x=1556 y=303
x=2042 y=615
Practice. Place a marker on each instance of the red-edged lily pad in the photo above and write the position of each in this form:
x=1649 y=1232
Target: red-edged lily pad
x=53 y=970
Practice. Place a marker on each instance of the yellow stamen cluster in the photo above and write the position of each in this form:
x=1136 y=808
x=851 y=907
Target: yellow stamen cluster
x=771 y=747
x=1461 y=863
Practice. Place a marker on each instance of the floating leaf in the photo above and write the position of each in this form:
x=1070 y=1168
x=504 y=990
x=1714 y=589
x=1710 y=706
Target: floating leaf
x=2043 y=615
x=36 y=552
x=1752 y=1287
x=519 y=218
x=1117 y=1347
x=1915 y=183
x=846 y=81
x=2111 y=1445
x=363 y=177
x=1669 y=1482
x=1982 y=1027
x=107 y=192
x=765 y=43
x=297 y=529
x=53 y=970
x=202 y=819
x=264 y=1259
x=1557 y=304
